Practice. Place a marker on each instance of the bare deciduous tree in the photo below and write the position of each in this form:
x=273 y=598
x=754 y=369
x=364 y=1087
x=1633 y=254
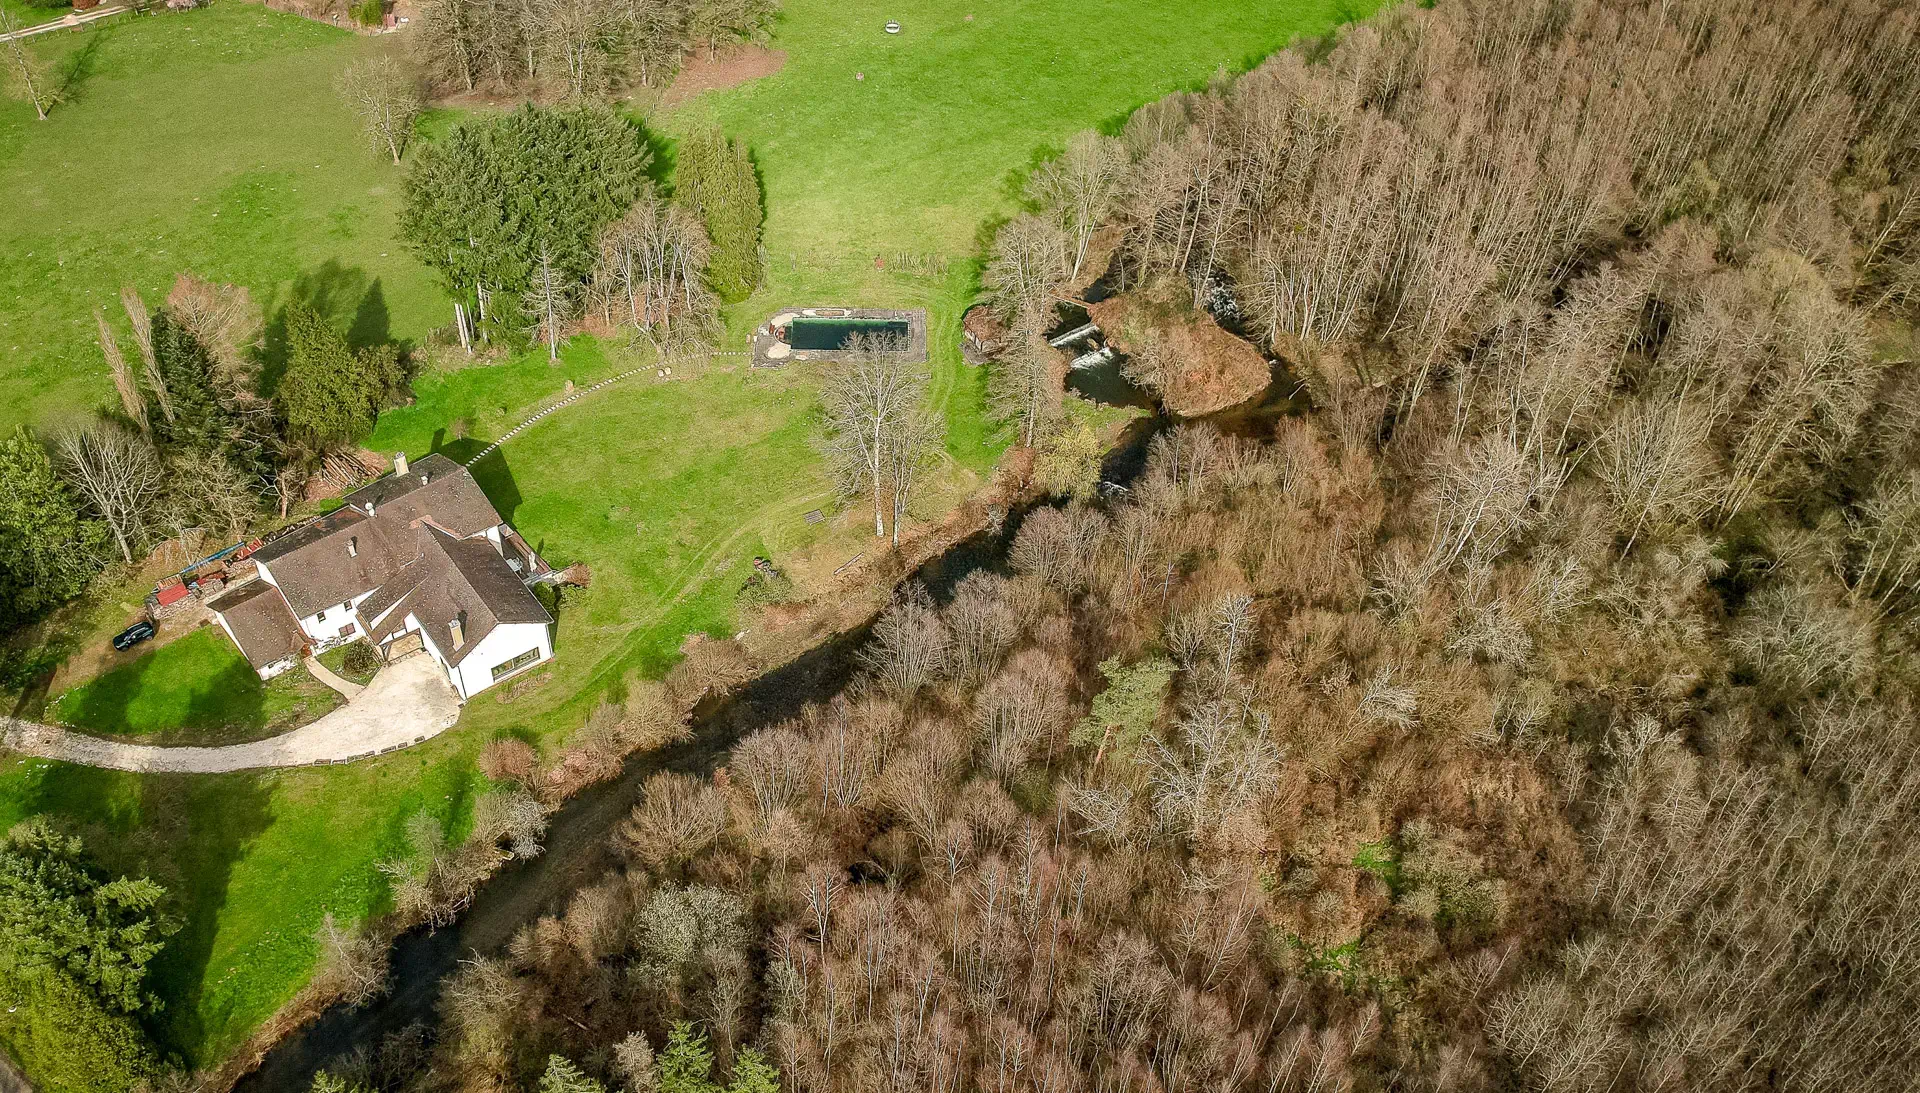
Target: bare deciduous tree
x=1079 y=188
x=353 y=966
x=116 y=471
x=876 y=428
x=132 y=402
x=26 y=74
x=385 y=96
x=1029 y=266
x=225 y=321
x=142 y=320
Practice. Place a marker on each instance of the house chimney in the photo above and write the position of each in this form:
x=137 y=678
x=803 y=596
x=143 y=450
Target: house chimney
x=458 y=629
x=399 y=463
x=353 y=546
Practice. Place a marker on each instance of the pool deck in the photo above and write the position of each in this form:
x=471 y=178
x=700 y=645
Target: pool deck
x=770 y=351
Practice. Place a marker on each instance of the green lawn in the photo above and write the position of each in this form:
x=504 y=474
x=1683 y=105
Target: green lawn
x=667 y=489
x=198 y=690
x=335 y=660
x=27 y=15
x=209 y=141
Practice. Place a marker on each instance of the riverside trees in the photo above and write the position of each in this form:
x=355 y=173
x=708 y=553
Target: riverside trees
x=1536 y=714
x=879 y=435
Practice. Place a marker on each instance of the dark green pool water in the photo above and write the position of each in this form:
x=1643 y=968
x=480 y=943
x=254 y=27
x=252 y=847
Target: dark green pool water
x=815 y=333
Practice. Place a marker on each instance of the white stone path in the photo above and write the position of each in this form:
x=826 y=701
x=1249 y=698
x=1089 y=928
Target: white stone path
x=408 y=702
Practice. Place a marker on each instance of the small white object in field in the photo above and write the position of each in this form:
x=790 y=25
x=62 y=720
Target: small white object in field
x=859 y=76
x=893 y=28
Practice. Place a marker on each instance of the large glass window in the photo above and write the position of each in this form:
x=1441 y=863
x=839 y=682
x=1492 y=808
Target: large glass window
x=508 y=667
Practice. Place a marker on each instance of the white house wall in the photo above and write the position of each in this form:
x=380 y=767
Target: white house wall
x=506 y=641
x=326 y=632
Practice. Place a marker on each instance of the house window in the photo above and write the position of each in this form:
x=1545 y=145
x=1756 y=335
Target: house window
x=346 y=631
x=322 y=616
x=507 y=667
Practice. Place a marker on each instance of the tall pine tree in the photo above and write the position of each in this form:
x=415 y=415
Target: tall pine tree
x=48 y=550
x=715 y=179
x=330 y=395
x=483 y=203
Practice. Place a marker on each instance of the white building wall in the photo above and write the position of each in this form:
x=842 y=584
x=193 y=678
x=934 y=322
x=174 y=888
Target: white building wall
x=325 y=632
x=508 y=640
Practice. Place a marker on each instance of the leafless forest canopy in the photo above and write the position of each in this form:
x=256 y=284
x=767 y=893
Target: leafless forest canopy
x=1536 y=713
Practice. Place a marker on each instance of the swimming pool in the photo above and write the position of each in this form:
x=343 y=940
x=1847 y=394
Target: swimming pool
x=813 y=333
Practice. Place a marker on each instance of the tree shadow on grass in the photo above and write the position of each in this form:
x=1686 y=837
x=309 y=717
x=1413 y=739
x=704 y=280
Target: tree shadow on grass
x=78 y=68
x=344 y=296
x=203 y=824
x=493 y=473
x=184 y=831
x=147 y=698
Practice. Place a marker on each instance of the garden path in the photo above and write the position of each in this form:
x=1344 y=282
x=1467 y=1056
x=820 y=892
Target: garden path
x=347 y=688
x=71 y=19
x=408 y=702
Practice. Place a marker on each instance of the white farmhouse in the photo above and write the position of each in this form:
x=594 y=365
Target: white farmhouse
x=418 y=560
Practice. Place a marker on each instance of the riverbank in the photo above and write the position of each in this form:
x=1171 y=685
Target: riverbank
x=806 y=659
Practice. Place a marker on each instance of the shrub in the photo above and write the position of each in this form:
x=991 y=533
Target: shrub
x=69 y=1042
x=368 y=13
x=360 y=660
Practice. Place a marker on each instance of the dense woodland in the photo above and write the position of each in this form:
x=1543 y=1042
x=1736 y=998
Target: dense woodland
x=576 y=47
x=1534 y=712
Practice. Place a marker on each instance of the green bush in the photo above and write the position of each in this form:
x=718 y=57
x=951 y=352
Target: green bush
x=360 y=660
x=66 y=1041
x=368 y=13
x=762 y=590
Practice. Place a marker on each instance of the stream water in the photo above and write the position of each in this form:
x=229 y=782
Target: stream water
x=580 y=839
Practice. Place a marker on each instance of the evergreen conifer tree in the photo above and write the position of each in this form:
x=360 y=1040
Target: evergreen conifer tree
x=330 y=394
x=48 y=549
x=715 y=179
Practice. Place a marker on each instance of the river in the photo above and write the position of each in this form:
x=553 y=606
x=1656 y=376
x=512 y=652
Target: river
x=580 y=838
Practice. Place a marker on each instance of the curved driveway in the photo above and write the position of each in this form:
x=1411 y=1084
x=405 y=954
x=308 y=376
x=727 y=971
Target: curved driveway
x=406 y=703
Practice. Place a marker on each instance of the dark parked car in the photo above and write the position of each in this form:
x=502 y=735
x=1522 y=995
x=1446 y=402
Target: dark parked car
x=133 y=635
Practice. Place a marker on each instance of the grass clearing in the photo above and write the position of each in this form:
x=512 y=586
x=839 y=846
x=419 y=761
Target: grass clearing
x=209 y=141
x=198 y=690
x=667 y=489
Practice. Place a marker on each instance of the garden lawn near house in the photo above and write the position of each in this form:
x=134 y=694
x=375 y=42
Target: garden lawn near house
x=197 y=690
x=666 y=488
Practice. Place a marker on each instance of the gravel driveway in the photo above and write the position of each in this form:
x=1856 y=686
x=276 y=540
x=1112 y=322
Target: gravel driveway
x=406 y=703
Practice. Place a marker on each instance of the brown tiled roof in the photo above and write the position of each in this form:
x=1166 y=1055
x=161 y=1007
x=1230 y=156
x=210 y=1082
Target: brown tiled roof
x=435 y=486
x=265 y=630
x=413 y=541
x=314 y=565
x=450 y=579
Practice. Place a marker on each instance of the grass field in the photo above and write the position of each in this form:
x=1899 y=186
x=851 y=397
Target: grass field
x=198 y=690
x=667 y=489
x=209 y=141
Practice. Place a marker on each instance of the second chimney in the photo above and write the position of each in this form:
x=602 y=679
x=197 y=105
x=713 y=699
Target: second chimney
x=457 y=630
x=399 y=463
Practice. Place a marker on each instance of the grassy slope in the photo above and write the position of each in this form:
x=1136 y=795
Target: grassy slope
x=666 y=489
x=198 y=690
x=209 y=141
